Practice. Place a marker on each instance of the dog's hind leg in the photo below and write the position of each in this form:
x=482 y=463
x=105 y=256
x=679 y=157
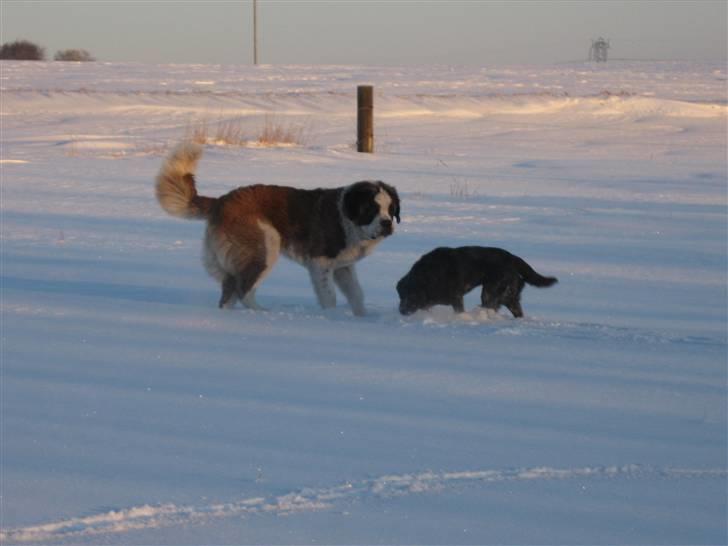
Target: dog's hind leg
x=512 y=297
x=210 y=258
x=514 y=306
x=256 y=265
x=247 y=280
x=345 y=279
x=229 y=292
x=250 y=302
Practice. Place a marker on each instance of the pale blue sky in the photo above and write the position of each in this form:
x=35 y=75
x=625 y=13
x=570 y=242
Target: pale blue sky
x=391 y=32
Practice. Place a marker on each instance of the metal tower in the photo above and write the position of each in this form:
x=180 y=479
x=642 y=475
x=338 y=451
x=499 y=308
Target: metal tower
x=598 y=50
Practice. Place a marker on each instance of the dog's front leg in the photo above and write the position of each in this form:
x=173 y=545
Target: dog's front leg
x=321 y=280
x=345 y=278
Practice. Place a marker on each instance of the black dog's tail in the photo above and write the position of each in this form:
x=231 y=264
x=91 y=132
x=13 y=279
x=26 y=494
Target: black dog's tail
x=530 y=276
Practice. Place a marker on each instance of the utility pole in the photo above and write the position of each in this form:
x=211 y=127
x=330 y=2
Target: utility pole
x=255 y=32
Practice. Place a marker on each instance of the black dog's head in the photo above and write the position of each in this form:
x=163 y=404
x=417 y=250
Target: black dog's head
x=412 y=294
x=430 y=281
x=372 y=206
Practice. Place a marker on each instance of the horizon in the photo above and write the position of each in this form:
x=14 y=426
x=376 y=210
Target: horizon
x=482 y=33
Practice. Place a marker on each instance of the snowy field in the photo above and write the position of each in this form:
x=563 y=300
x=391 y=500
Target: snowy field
x=136 y=412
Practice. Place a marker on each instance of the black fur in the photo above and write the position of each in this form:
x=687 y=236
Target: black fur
x=445 y=275
x=359 y=205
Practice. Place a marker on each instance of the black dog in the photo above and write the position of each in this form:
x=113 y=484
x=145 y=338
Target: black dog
x=445 y=275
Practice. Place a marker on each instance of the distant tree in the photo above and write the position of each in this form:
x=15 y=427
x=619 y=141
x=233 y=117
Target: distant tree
x=78 y=55
x=22 y=50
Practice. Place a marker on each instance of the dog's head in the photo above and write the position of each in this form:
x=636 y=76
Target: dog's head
x=413 y=294
x=372 y=207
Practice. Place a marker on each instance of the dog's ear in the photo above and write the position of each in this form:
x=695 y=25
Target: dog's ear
x=358 y=197
x=394 y=209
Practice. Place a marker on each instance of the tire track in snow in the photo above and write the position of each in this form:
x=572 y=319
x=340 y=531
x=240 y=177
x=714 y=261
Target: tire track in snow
x=315 y=499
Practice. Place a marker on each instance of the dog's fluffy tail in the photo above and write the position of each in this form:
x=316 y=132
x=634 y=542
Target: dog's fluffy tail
x=531 y=277
x=176 y=191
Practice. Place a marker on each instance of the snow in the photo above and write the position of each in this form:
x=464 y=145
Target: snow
x=136 y=412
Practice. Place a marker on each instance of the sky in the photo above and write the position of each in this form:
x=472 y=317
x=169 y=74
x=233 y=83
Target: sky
x=371 y=32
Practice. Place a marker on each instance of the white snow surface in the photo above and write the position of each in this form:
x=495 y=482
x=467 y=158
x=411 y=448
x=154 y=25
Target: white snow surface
x=133 y=411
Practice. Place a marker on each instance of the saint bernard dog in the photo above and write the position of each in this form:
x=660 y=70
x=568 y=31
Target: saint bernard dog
x=325 y=230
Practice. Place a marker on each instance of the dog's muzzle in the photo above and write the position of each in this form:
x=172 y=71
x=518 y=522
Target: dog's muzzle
x=405 y=309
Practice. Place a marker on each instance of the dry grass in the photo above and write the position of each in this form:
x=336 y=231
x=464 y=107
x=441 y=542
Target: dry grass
x=198 y=131
x=460 y=189
x=71 y=150
x=274 y=132
x=237 y=132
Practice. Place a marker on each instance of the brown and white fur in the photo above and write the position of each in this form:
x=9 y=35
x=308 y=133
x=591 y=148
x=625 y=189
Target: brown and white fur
x=325 y=230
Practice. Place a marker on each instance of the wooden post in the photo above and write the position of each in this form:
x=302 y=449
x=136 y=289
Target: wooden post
x=365 y=119
x=255 y=32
